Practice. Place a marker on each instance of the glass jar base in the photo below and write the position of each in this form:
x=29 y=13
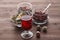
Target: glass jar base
x=26 y=34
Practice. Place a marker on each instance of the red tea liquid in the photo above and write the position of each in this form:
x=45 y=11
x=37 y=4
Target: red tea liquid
x=26 y=22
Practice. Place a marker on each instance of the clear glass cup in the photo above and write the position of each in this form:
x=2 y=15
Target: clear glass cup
x=26 y=22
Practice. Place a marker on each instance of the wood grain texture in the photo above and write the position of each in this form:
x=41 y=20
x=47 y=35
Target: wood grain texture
x=9 y=8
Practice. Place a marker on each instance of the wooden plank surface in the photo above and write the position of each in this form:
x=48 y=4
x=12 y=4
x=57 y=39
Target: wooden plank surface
x=9 y=8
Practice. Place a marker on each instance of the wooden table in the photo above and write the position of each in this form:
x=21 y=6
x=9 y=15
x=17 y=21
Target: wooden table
x=9 y=32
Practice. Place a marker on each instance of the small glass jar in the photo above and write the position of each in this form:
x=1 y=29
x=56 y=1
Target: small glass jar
x=39 y=17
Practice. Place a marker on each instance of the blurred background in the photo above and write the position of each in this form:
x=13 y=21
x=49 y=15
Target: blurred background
x=9 y=8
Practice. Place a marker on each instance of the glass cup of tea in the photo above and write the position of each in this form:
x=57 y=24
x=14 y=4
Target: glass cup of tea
x=26 y=22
